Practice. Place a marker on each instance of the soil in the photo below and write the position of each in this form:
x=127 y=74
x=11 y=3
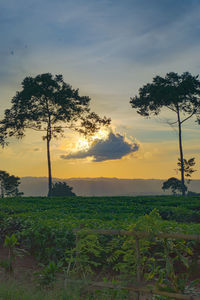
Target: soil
x=24 y=266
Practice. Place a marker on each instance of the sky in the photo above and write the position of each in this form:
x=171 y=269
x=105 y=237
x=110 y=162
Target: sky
x=108 y=49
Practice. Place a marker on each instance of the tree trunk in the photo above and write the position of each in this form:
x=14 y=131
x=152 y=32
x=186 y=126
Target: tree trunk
x=49 y=167
x=181 y=152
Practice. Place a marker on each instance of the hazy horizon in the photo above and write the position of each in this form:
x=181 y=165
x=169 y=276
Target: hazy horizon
x=37 y=186
x=101 y=177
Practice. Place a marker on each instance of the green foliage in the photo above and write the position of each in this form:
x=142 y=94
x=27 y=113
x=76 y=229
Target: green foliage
x=125 y=256
x=160 y=260
x=11 y=244
x=83 y=258
x=15 y=290
x=45 y=228
x=173 y=253
x=112 y=294
x=47 y=276
x=47 y=242
x=60 y=189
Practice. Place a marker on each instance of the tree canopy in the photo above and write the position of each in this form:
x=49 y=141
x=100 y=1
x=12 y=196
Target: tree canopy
x=179 y=93
x=49 y=105
x=174 y=184
x=45 y=104
x=9 y=185
x=62 y=189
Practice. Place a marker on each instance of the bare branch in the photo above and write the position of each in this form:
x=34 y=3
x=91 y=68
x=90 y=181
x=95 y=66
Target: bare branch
x=192 y=114
x=172 y=123
x=36 y=129
x=169 y=107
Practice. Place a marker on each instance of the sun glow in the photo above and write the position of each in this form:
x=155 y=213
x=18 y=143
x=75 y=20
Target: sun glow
x=83 y=144
x=102 y=134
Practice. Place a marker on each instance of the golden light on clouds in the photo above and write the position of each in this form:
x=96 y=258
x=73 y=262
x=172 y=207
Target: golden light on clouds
x=84 y=144
x=153 y=160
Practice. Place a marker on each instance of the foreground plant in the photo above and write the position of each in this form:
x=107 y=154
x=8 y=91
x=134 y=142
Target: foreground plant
x=11 y=244
x=84 y=257
x=48 y=275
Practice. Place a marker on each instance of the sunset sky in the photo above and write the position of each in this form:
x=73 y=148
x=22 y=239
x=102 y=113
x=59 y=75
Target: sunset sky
x=108 y=49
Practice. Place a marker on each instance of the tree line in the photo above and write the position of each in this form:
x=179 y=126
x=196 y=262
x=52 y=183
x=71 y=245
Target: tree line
x=48 y=105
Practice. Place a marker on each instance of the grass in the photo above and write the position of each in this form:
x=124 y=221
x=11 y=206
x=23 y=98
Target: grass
x=15 y=290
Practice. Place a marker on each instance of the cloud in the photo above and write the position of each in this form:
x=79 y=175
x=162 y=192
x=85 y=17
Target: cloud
x=114 y=147
x=125 y=43
x=93 y=33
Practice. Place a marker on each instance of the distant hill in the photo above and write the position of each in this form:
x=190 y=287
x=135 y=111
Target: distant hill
x=37 y=186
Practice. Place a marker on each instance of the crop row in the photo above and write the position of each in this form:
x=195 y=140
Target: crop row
x=125 y=209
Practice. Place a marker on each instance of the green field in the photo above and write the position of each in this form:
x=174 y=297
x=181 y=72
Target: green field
x=100 y=211
x=60 y=215
x=44 y=227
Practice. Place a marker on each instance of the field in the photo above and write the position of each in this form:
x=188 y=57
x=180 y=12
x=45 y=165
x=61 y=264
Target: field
x=44 y=227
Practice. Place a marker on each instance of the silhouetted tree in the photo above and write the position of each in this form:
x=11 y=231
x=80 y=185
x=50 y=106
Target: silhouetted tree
x=174 y=184
x=179 y=93
x=190 y=193
x=188 y=167
x=2 y=140
x=9 y=185
x=49 y=105
x=62 y=189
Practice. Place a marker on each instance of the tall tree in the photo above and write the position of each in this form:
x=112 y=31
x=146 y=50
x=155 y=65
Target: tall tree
x=9 y=185
x=49 y=105
x=178 y=93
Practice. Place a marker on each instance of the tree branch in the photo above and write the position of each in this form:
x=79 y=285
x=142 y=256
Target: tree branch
x=172 y=123
x=188 y=117
x=171 y=108
x=36 y=129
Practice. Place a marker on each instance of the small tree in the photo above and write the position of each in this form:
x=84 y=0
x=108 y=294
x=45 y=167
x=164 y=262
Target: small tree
x=178 y=93
x=188 y=167
x=9 y=185
x=49 y=105
x=62 y=189
x=174 y=184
